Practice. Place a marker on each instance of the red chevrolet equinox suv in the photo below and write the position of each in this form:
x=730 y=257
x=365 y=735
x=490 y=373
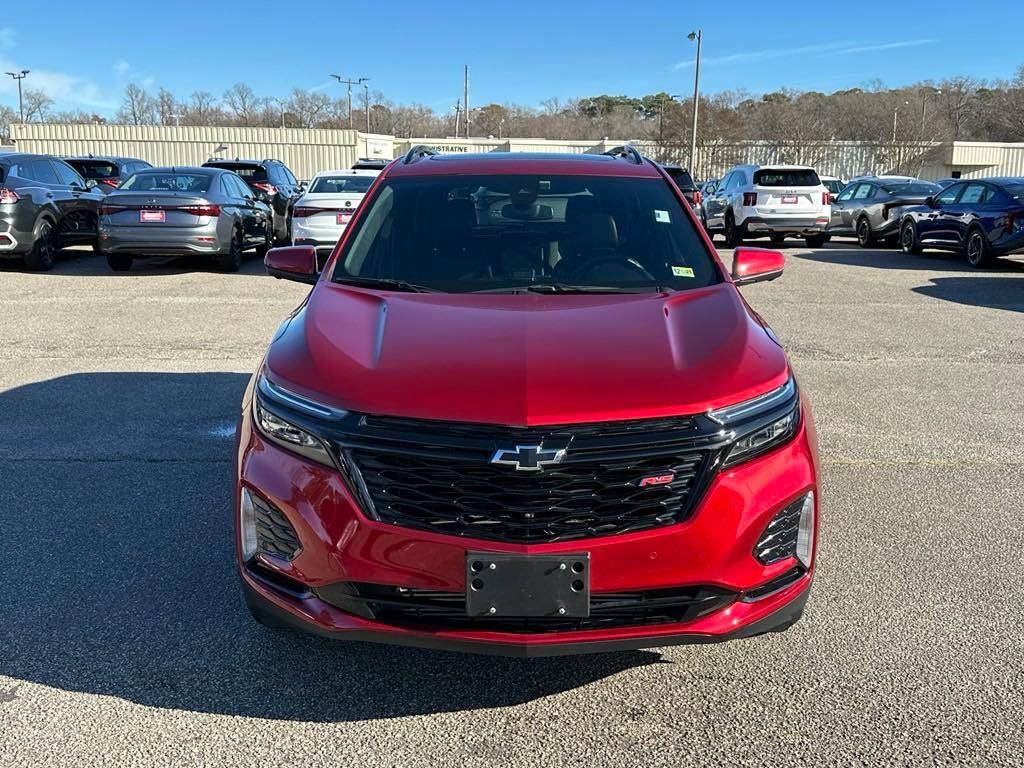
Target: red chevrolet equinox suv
x=525 y=410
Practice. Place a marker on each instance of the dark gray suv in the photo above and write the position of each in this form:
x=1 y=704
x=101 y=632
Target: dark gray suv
x=44 y=206
x=273 y=183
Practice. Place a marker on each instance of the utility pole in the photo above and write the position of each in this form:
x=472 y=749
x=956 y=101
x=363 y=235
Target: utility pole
x=699 y=37
x=661 y=117
x=458 y=109
x=465 y=98
x=349 y=81
x=366 y=99
x=924 y=105
x=21 y=104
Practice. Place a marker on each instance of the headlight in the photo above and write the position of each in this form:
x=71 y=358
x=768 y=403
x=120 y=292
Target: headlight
x=278 y=429
x=760 y=424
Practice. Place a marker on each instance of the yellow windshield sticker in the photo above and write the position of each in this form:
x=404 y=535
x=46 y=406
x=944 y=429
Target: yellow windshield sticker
x=682 y=271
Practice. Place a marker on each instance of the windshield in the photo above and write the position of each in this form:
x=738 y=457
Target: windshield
x=786 y=177
x=95 y=169
x=913 y=189
x=342 y=184
x=479 y=233
x=168 y=181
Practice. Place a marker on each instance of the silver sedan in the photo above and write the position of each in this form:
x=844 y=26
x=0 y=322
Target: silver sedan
x=183 y=211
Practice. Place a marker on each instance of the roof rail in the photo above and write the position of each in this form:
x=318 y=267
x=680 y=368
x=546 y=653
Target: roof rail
x=417 y=152
x=272 y=160
x=626 y=152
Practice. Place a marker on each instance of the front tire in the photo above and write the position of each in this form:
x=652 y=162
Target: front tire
x=977 y=249
x=232 y=260
x=43 y=255
x=909 y=243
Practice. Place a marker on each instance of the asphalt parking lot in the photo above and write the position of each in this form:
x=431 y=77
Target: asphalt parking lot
x=124 y=640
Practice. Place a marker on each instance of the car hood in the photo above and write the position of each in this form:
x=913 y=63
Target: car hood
x=525 y=359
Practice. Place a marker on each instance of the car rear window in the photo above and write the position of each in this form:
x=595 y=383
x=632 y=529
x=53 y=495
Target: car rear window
x=168 y=181
x=342 y=184
x=247 y=172
x=510 y=232
x=95 y=169
x=786 y=177
x=682 y=178
x=914 y=188
x=1015 y=191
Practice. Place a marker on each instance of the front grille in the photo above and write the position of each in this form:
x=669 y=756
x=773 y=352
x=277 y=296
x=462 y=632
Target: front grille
x=447 y=610
x=594 y=496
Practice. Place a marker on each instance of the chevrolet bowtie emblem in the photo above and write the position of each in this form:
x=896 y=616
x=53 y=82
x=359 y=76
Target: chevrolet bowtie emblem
x=528 y=458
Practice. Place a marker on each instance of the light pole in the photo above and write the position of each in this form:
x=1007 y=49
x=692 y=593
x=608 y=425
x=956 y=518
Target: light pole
x=924 y=104
x=348 y=81
x=895 y=117
x=698 y=36
x=19 y=76
x=280 y=105
x=661 y=117
x=366 y=99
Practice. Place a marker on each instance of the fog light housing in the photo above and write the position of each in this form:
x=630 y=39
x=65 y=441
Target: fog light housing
x=265 y=530
x=789 y=534
x=247 y=526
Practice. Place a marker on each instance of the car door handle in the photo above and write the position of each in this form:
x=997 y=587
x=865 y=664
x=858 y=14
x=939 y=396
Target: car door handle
x=49 y=194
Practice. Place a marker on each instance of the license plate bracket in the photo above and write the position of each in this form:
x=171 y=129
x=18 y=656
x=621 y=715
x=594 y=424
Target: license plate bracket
x=789 y=199
x=344 y=217
x=529 y=586
x=152 y=217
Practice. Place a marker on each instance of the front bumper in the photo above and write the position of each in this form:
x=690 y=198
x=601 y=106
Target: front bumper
x=339 y=544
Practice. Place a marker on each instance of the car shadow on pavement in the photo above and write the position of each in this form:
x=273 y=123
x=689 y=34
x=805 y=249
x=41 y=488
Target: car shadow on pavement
x=895 y=259
x=84 y=262
x=992 y=292
x=119 y=579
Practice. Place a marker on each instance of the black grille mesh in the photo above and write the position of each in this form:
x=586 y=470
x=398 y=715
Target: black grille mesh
x=448 y=609
x=591 y=497
x=274 y=533
x=780 y=537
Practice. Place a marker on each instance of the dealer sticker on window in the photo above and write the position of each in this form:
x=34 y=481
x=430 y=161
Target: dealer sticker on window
x=662 y=216
x=682 y=271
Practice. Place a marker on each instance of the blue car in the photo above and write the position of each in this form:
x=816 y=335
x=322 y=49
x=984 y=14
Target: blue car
x=980 y=218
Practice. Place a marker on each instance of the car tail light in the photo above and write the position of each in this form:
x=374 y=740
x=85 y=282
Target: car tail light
x=302 y=212
x=270 y=189
x=110 y=182
x=826 y=198
x=697 y=198
x=749 y=198
x=202 y=210
x=108 y=210
x=8 y=196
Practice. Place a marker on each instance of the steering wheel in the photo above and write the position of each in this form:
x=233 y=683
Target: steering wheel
x=583 y=270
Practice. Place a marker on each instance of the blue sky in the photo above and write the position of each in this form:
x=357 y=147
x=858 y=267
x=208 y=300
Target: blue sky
x=522 y=51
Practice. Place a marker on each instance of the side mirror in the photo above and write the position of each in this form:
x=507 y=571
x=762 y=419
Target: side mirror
x=931 y=202
x=756 y=265
x=90 y=183
x=292 y=262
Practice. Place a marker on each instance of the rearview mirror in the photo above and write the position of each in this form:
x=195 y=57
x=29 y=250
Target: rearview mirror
x=756 y=265
x=292 y=262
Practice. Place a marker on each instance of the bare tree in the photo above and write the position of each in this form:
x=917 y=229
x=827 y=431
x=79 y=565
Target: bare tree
x=138 y=107
x=243 y=103
x=37 y=105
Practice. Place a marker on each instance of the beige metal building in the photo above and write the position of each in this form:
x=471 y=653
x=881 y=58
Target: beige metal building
x=307 y=151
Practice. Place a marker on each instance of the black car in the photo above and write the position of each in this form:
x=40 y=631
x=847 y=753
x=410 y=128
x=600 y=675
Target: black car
x=273 y=183
x=44 y=206
x=684 y=181
x=107 y=172
x=980 y=218
x=370 y=164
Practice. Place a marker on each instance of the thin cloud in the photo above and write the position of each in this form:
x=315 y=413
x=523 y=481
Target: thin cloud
x=838 y=48
x=62 y=87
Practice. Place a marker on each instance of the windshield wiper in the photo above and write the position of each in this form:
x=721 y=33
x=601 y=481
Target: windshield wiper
x=385 y=283
x=573 y=288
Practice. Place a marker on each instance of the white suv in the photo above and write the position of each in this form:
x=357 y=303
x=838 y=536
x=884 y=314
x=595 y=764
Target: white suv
x=773 y=200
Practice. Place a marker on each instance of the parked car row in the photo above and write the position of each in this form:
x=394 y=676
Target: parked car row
x=127 y=209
